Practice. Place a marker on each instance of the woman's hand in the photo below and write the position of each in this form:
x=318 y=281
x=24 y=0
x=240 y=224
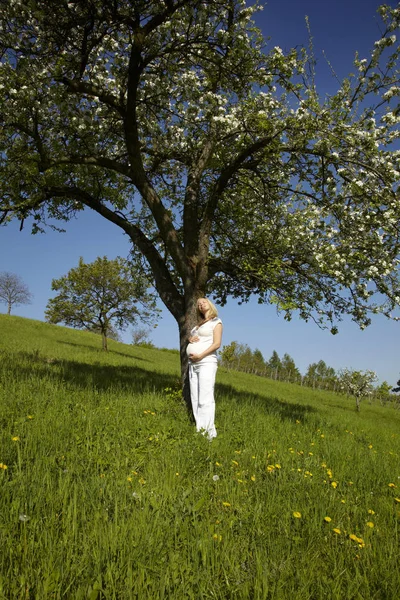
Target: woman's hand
x=194 y=357
x=194 y=339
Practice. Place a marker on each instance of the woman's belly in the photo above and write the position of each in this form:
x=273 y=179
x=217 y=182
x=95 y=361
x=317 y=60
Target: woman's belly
x=197 y=347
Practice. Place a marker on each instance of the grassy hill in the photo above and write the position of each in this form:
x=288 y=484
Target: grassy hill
x=108 y=492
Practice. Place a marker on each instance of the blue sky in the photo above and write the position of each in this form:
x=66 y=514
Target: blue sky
x=339 y=28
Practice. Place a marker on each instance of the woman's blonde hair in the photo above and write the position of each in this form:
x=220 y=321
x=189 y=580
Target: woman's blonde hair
x=213 y=310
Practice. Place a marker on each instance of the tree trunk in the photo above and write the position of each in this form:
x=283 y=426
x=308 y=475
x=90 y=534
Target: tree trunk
x=186 y=323
x=104 y=341
x=9 y=308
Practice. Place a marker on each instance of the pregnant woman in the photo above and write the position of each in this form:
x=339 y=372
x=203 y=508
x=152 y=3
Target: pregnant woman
x=204 y=341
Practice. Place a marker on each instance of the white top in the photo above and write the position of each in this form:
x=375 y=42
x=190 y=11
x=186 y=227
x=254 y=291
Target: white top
x=205 y=333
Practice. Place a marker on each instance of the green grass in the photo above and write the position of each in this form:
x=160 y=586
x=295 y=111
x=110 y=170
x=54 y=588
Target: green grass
x=110 y=494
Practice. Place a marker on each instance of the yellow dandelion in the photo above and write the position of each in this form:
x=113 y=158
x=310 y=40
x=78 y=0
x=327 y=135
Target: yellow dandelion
x=15 y=438
x=334 y=484
x=327 y=519
x=297 y=515
x=30 y=417
x=238 y=451
x=323 y=465
x=351 y=483
x=217 y=537
x=270 y=468
x=370 y=524
x=278 y=467
x=371 y=512
x=134 y=472
x=226 y=504
x=142 y=481
x=102 y=475
x=370 y=446
x=297 y=422
x=235 y=463
x=311 y=454
x=391 y=485
x=253 y=477
x=322 y=435
x=343 y=501
x=397 y=499
x=177 y=474
x=3 y=466
x=337 y=530
x=129 y=478
x=218 y=464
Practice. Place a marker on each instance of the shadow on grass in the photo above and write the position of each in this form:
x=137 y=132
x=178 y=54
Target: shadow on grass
x=99 y=350
x=266 y=404
x=137 y=380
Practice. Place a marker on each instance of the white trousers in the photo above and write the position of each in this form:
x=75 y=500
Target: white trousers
x=202 y=381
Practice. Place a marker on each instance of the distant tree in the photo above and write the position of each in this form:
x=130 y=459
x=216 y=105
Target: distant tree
x=259 y=365
x=289 y=370
x=383 y=392
x=396 y=389
x=357 y=384
x=141 y=336
x=320 y=375
x=13 y=291
x=105 y=296
x=229 y=355
x=274 y=365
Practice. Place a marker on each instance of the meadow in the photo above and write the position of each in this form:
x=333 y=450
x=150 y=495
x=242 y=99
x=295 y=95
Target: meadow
x=108 y=493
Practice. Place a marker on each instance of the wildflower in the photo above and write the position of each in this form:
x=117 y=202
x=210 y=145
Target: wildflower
x=217 y=537
x=327 y=519
x=238 y=451
x=371 y=512
x=3 y=466
x=253 y=477
x=343 y=501
x=297 y=515
x=129 y=478
x=311 y=454
x=15 y=438
x=215 y=477
x=235 y=463
x=30 y=417
x=397 y=499
x=142 y=481
x=102 y=475
x=323 y=465
x=322 y=435
x=337 y=530
x=391 y=485
x=218 y=464
x=370 y=524
x=278 y=467
x=225 y=504
x=270 y=468
x=297 y=422
x=23 y=518
x=334 y=484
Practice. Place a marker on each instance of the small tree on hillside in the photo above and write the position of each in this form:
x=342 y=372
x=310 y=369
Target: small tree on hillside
x=13 y=291
x=104 y=296
x=357 y=383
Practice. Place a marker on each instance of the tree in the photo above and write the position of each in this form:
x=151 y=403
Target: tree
x=13 y=291
x=357 y=383
x=228 y=171
x=289 y=371
x=140 y=336
x=103 y=296
x=274 y=365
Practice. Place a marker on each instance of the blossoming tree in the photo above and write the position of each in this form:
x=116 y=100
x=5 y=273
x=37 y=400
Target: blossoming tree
x=229 y=172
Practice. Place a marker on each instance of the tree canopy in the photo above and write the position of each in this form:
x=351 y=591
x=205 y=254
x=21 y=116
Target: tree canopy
x=104 y=296
x=216 y=155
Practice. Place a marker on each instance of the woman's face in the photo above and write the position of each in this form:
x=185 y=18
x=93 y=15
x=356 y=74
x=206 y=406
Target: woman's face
x=203 y=305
